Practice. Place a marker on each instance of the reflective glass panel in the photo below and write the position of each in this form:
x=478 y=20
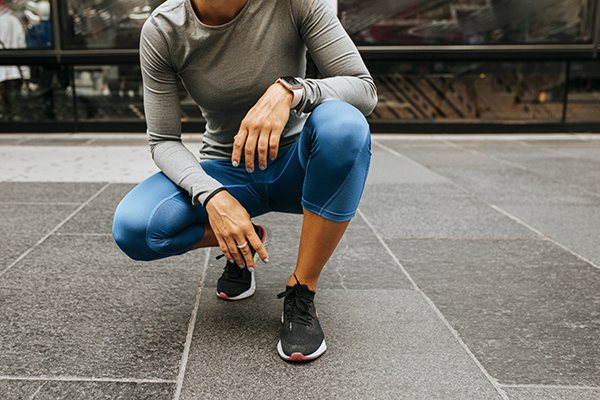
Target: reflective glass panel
x=584 y=92
x=45 y=94
x=105 y=24
x=458 y=91
x=25 y=24
x=115 y=93
x=419 y=22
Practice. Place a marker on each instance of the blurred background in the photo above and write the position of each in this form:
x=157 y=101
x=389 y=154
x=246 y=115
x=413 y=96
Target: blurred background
x=439 y=65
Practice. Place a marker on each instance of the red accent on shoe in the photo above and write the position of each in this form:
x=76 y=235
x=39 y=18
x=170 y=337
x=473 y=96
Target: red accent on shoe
x=223 y=296
x=264 y=233
x=297 y=357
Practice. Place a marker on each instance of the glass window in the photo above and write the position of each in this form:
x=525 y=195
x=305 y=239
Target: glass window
x=458 y=91
x=412 y=22
x=105 y=24
x=25 y=24
x=115 y=93
x=42 y=94
x=584 y=92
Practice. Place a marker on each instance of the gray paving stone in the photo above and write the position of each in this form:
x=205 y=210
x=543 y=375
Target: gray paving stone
x=434 y=211
x=556 y=167
x=538 y=201
x=18 y=390
x=138 y=141
x=23 y=225
x=494 y=181
x=8 y=140
x=489 y=144
x=97 y=217
x=405 y=142
x=527 y=309
x=552 y=394
x=105 y=390
x=76 y=306
x=578 y=229
x=381 y=344
x=586 y=152
x=387 y=168
x=359 y=262
x=41 y=141
x=47 y=192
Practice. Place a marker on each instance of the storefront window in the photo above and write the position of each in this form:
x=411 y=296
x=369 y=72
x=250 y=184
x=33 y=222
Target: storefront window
x=469 y=22
x=105 y=24
x=25 y=24
x=44 y=93
x=459 y=91
x=115 y=93
x=584 y=92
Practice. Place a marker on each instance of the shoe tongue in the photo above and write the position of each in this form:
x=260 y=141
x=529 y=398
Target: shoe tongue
x=302 y=291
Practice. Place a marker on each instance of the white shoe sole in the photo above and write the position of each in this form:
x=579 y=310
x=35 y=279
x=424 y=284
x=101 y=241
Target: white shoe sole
x=300 y=356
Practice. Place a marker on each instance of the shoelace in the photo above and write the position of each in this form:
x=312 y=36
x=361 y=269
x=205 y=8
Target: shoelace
x=299 y=312
x=232 y=271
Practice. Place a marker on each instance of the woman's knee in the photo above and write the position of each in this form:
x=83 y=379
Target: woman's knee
x=341 y=132
x=129 y=233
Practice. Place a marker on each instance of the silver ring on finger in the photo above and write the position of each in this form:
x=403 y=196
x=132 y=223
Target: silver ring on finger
x=243 y=245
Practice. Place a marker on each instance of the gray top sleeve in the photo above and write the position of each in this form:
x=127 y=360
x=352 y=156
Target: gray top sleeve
x=163 y=113
x=346 y=77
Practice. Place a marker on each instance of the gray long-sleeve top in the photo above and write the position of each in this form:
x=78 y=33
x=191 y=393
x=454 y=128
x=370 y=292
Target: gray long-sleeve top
x=227 y=68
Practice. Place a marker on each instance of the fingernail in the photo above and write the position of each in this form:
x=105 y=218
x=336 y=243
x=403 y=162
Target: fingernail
x=235 y=163
x=231 y=261
x=272 y=158
x=249 y=170
x=251 y=269
x=266 y=260
x=262 y=168
x=241 y=266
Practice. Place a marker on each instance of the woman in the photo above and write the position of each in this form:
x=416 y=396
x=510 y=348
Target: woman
x=273 y=142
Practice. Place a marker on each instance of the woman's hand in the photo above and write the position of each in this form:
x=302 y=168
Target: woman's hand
x=261 y=129
x=232 y=227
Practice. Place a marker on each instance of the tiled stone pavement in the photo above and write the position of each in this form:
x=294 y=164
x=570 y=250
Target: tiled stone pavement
x=471 y=272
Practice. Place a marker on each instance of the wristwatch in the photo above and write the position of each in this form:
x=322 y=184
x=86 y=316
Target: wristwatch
x=293 y=85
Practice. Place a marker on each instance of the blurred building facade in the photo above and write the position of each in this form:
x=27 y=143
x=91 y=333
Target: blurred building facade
x=439 y=65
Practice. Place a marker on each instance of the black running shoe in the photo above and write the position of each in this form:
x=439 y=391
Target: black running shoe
x=238 y=283
x=302 y=338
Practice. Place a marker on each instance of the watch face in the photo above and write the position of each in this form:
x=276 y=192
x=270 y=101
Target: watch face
x=291 y=82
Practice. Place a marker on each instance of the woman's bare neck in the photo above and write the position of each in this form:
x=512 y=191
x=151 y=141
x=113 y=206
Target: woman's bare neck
x=217 y=12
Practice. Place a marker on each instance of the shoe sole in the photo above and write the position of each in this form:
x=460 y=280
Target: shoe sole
x=252 y=289
x=299 y=356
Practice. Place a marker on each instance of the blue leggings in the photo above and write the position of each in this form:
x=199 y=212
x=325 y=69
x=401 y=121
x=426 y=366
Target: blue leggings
x=324 y=172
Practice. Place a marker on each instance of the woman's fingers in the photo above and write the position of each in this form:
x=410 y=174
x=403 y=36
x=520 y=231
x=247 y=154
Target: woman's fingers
x=238 y=146
x=262 y=127
x=233 y=229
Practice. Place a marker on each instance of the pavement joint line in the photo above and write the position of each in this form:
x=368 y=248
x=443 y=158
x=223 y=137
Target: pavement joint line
x=37 y=391
x=526 y=225
x=498 y=209
x=552 y=387
x=57 y=227
x=522 y=168
x=191 y=326
x=491 y=379
x=81 y=379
